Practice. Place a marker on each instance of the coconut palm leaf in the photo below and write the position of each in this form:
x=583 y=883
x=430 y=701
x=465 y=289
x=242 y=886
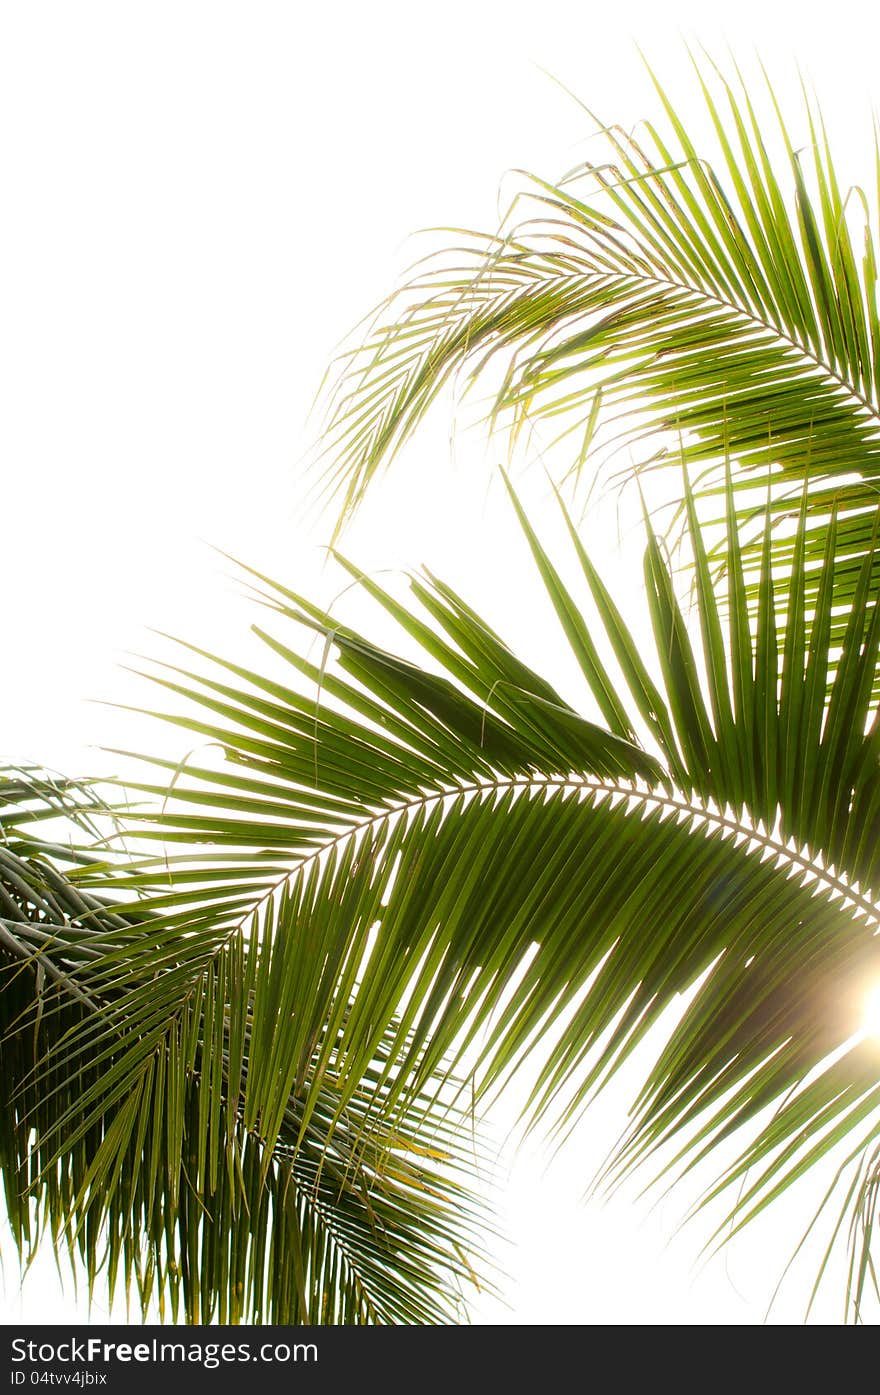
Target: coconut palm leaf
x=486 y=878
x=720 y=303
x=132 y=1132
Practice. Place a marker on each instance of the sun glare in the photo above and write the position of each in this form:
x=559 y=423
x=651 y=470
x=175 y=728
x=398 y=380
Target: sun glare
x=871 y=1014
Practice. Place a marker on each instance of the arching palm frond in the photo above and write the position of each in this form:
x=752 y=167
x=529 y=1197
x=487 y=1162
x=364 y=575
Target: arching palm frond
x=483 y=876
x=727 y=298
x=137 y=1066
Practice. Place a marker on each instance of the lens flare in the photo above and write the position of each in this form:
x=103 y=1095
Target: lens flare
x=871 y=1015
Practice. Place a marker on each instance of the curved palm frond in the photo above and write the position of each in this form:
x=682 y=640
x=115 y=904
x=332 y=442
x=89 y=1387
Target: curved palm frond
x=657 y=292
x=133 y=1133
x=484 y=876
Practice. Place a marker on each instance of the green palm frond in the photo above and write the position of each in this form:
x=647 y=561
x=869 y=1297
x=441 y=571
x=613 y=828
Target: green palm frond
x=727 y=300
x=154 y=1121
x=240 y=1052
x=486 y=877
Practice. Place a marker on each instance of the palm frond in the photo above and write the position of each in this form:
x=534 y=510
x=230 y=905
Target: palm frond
x=717 y=305
x=485 y=876
x=153 y=1121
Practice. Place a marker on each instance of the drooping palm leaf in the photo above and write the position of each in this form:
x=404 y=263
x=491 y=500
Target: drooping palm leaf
x=726 y=297
x=132 y=1131
x=485 y=875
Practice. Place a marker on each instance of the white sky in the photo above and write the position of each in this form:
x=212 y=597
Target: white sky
x=199 y=200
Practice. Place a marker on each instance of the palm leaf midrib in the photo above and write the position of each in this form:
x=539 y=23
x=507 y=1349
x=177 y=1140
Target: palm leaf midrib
x=540 y=783
x=749 y=316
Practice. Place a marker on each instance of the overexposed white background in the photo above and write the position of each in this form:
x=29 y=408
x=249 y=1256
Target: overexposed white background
x=199 y=199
